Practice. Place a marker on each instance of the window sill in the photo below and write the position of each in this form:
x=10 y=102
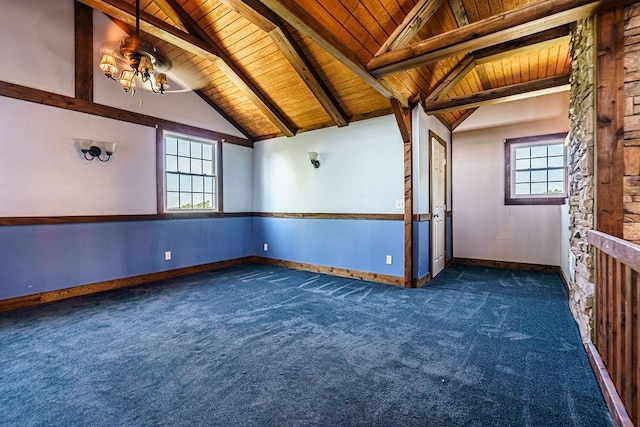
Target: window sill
x=536 y=201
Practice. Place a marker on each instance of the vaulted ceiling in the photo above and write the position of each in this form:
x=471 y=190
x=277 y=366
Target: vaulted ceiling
x=280 y=67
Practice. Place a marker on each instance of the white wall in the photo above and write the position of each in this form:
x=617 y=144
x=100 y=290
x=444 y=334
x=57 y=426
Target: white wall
x=543 y=107
x=40 y=33
x=237 y=171
x=484 y=228
x=42 y=173
x=361 y=170
x=565 y=262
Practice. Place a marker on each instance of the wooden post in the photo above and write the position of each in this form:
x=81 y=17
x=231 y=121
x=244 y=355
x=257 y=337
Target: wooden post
x=83 y=33
x=403 y=118
x=610 y=124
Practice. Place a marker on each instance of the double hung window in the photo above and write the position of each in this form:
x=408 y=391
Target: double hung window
x=190 y=173
x=536 y=170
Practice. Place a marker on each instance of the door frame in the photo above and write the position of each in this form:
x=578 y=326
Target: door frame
x=432 y=136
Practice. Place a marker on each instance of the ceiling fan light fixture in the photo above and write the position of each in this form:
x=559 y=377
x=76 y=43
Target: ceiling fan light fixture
x=108 y=65
x=138 y=59
x=127 y=80
x=161 y=82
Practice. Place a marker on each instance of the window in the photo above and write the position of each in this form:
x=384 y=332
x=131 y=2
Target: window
x=536 y=170
x=190 y=173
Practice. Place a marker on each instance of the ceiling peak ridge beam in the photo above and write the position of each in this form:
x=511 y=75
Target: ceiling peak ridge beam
x=193 y=44
x=269 y=22
x=415 y=19
x=487 y=32
x=504 y=94
x=301 y=20
x=526 y=44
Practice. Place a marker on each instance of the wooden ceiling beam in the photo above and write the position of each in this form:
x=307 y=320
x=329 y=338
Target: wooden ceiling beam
x=503 y=94
x=497 y=29
x=235 y=74
x=170 y=12
x=403 y=119
x=294 y=14
x=411 y=24
x=465 y=115
x=453 y=78
x=194 y=44
x=269 y=22
x=552 y=37
x=459 y=12
x=534 y=42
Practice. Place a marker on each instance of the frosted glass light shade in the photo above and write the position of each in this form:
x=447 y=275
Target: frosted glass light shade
x=83 y=144
x=109 y=147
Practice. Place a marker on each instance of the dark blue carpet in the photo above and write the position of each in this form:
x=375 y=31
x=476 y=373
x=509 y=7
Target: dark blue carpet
x=266 y=346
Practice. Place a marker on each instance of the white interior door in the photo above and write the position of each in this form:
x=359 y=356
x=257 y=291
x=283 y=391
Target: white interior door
x=438 y=206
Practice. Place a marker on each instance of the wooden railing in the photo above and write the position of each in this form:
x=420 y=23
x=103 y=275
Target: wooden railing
x=617 y=325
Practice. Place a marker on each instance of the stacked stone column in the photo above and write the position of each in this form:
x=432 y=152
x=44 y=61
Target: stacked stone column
x=581 y=154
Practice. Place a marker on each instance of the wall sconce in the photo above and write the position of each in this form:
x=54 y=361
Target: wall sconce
x=91 y=149
x=313 y=158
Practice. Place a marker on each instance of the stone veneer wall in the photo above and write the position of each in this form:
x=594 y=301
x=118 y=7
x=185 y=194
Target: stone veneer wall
x=581 y=152
x=631 y=225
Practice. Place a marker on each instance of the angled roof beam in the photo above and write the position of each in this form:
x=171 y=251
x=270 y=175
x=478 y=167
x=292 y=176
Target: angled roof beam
x=292 y=13
x=538 y=41
x=465 y=115
x=503 y=94
x=452 y=78
x=269 y=22
x=411 y=24
x=170 y=12
x=195 y=45
x=497 y=29
x=520 y=46
x=459 y=12
x=235 y=74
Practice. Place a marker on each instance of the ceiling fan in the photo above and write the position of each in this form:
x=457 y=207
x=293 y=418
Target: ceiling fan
x=139 y=61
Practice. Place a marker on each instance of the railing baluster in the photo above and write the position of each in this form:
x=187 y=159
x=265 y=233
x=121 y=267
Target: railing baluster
x=617 y=324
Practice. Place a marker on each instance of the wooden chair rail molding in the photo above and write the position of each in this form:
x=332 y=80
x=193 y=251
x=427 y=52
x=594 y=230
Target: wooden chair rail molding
x=41 y=220
x=617 y=325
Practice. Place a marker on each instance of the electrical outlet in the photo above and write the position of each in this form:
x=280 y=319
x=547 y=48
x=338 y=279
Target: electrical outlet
x=389 y=259
x=265 y=247
x=167 y=255
x=399 y=204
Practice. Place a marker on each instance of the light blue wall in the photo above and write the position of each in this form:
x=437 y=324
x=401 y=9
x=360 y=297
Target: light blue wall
x=449 y=237
x=41 y=258
x=421 y=248
x=360 y=245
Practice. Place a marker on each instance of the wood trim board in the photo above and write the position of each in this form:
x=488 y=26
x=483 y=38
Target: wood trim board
x=28 y=94
x=614 y=403
x=126 y=282
x=334 y=271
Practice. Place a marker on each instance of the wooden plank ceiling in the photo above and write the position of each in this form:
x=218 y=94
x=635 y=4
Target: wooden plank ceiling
x=280 y=67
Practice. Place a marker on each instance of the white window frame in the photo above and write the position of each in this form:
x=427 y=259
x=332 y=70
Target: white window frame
x=193 y=173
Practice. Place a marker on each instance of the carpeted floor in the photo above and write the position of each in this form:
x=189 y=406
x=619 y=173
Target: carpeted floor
x=265 y=346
